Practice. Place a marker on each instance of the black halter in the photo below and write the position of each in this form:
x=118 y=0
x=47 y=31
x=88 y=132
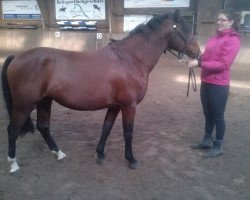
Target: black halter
x=191 y=74
x=184 y=39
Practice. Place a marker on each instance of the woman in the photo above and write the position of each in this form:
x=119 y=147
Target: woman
x=215 y=63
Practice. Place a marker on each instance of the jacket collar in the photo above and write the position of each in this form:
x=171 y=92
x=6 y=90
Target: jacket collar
x=229 y=31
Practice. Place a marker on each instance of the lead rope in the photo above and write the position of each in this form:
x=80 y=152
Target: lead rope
x=191 y=74
x=191 y=77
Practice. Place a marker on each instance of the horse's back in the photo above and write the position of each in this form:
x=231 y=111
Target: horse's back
x=82 y=81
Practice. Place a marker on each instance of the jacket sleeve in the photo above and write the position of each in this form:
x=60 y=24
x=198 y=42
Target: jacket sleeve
x=226 y=58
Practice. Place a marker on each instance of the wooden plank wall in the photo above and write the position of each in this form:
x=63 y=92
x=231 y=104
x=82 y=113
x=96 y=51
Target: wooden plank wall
x=112 y=24
x=16 y=40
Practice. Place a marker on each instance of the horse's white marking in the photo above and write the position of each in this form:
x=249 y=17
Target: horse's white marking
x=59 y=154
x=13 y=164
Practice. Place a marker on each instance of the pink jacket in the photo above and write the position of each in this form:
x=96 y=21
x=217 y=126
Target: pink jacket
x=218 y=57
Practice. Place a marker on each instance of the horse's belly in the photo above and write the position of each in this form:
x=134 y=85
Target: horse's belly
x=88 y=102
x=98 y=93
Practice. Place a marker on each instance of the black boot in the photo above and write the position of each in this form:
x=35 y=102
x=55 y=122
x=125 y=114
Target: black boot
x=206 y=143
x=215 y=151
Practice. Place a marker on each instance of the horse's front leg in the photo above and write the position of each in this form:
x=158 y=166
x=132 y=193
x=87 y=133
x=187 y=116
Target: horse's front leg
x=128 y=115
x=106 y=129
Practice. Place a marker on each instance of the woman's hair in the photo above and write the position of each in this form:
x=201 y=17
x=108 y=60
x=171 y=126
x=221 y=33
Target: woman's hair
x=234 y=16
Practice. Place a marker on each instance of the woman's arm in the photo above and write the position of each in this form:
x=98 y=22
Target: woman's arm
x=226 y=58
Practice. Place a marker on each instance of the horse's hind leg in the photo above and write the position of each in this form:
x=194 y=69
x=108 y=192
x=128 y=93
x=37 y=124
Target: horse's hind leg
x=12 y=137
x=106 y=129
x=128 y=114
x=43 y=125
x=14 y=129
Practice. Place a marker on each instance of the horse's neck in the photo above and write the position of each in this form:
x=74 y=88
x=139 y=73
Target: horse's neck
x=146 y=52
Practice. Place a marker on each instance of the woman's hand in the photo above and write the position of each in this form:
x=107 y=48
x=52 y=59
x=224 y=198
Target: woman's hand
x=192 y=63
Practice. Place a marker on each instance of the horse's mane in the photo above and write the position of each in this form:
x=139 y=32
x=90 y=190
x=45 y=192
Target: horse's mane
x=153 y=25
x=184 y=25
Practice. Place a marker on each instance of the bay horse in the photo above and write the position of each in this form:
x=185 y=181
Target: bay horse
x=114 y=77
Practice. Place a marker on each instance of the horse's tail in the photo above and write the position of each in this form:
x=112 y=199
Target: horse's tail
x=28 y=126
x=5 y=86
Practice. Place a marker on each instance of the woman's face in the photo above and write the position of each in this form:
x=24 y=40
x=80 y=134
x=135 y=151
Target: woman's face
x=223 y=22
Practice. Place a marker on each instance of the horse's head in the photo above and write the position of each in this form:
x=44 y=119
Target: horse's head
x=181 y=39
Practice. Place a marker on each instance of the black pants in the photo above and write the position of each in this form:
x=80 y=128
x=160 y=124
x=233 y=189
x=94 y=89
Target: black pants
x=214 y=100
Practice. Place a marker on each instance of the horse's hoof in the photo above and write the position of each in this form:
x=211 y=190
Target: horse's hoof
x=133 y=165
x=100 y=161
x=100 y=158
x=13 y=165
x=16 y=172
x=59 y=154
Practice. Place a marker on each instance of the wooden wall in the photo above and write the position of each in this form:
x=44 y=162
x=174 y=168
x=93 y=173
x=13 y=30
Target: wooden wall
x=16 y=40
x=113 y=23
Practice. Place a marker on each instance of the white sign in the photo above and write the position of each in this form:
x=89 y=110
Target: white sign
x=155 y=3
x=99 y=36
x=25 y=9
x=57 y=34
x=243 y=13
x=80 y=9
x=131 y=21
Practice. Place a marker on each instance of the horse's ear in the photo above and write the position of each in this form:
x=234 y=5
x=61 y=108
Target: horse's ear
x=177 y=16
